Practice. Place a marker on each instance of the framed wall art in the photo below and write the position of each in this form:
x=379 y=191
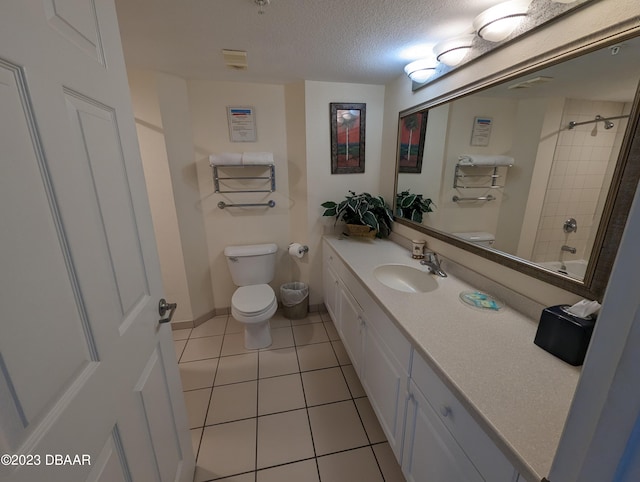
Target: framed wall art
x=411 y=135
x=348 y=123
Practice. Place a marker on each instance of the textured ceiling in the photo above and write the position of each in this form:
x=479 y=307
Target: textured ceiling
x=360 y=41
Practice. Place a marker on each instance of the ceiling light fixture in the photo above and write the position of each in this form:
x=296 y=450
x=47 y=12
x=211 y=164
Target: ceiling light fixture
x=498 y=22
x=261 y=4
x=420 y=70
x=451 y=52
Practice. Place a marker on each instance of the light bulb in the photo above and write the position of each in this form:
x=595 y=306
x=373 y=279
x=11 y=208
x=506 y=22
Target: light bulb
x=498 y=22
x=452 y=51
x=420 y=70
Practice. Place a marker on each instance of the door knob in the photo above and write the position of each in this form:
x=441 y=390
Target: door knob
x=163 y=307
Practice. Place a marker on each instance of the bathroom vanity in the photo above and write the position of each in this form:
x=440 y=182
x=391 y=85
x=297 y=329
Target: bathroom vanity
x=462 y=394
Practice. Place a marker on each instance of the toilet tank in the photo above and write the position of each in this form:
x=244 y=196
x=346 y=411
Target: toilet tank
x=251 y=264
x=477 y=237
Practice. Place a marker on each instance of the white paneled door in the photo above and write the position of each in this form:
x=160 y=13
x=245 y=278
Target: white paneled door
x=89 y=385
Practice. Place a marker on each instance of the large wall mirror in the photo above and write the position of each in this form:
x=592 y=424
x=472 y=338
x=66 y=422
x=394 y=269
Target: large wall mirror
x=536 y=172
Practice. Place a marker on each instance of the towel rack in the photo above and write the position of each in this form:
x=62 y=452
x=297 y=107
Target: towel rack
x=494 y=176
x=479 y=198
x=271 y=178
x=223 y=204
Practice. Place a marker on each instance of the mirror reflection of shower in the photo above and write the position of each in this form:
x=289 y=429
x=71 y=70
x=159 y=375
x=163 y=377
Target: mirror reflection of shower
x=570 y=226
x=582 y=166
x=608 y=124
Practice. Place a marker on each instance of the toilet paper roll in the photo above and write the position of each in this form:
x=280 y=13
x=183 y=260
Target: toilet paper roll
x=296 y=250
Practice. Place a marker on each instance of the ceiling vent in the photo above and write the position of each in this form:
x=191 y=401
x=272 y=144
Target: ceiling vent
x=235 y=59
x=531 y=82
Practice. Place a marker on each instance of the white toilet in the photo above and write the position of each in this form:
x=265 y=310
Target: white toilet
x=477 y=237
x=254 y=302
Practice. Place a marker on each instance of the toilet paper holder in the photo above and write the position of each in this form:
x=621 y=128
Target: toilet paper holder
x=300 y=248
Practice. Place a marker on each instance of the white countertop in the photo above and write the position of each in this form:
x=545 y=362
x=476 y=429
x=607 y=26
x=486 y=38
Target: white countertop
x=517 y=392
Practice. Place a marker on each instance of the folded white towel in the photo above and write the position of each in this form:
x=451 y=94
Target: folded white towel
x=480 y=160
x=226 y=158
x=257 y=158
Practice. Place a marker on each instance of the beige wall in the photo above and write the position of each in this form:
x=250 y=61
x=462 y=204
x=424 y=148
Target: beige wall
x=174 y=108
x=297 y=164
x=524 y=148
x=539 y=176
x=157 y=176
x=475 y=216
x=321 y=184
x=208 y=103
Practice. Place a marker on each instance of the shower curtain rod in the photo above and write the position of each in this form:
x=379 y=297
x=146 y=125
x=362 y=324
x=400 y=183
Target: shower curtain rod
x=573 y=124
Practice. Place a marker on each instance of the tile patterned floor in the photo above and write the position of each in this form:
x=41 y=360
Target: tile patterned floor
x=293 y=412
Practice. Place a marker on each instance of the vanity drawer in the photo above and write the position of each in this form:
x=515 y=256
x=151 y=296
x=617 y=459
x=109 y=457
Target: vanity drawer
x=480 y=449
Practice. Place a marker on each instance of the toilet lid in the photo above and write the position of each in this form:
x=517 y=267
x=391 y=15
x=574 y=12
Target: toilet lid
x=253 y=298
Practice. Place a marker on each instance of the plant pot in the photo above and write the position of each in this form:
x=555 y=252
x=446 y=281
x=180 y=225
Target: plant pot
x=361 y=230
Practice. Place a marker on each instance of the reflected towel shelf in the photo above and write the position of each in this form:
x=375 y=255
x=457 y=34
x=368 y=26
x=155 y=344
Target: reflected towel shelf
x=489 y=197
x=491 y=175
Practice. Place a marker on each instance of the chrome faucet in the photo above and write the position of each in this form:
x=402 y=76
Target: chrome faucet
x=433 y=264
x=569 y=249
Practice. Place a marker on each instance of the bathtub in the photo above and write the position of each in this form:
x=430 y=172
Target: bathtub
x=575 y=268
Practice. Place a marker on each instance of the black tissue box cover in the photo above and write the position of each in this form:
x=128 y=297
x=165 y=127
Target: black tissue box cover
x=563 y=334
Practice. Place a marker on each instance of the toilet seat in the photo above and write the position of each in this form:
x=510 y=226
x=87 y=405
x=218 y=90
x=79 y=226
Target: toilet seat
x=253 y=301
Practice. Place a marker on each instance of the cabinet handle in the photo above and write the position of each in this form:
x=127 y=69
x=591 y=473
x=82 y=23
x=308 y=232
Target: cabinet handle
x=445 y=410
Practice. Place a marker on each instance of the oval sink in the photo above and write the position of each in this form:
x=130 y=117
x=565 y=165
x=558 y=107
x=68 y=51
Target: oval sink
x=405 y=278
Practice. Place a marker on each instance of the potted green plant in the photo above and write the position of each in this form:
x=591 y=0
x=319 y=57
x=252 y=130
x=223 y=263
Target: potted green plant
x=412 y=206
x=370 y=214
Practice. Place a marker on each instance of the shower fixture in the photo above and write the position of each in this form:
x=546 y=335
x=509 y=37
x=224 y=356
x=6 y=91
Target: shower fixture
x=594 y=131
x=607 y=122
x=570 y=226
x=607 y=125
x=261 y=5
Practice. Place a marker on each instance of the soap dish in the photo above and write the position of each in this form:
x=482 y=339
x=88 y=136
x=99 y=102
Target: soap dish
x=481 y=301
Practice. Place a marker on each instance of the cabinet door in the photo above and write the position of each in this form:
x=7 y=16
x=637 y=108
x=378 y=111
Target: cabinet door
x=331 y=287
x=351 y=321
x=430 y=451
x=479 y=448
x=385 y=381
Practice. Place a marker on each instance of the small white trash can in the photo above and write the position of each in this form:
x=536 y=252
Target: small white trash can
x=295 y=300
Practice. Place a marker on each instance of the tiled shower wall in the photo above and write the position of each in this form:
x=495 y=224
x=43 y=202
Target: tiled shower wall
x=579 y=179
